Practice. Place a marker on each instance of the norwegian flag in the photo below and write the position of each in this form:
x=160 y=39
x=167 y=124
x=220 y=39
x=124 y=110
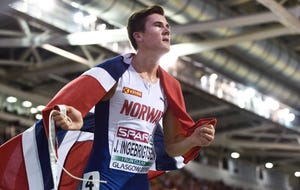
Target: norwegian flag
x=25 y=163
x=24 y=160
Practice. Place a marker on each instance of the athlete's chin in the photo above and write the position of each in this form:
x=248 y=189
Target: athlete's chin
x=166 y=49
x=162 y=50
x=162 y=53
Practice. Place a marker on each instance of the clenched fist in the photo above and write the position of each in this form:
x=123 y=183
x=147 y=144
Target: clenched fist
x=71 y=121
x=203 y=135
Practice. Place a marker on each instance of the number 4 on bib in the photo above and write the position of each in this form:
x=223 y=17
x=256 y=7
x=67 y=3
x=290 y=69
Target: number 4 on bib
x=91 y=181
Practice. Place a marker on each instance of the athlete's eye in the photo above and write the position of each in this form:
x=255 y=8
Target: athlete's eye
x=158 y=25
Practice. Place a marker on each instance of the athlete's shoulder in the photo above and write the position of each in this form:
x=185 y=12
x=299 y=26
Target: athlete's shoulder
x=115 y=66
x=117 y=60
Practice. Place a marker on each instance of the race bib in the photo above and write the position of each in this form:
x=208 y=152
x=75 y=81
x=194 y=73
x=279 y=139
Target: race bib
x=91 y=181
x=132 y=150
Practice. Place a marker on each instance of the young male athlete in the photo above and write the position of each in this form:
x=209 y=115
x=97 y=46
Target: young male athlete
x=130 y=94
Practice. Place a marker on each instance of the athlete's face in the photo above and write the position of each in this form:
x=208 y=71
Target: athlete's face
x=156 y=36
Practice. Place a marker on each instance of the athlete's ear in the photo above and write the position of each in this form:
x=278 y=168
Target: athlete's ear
x=137 y=36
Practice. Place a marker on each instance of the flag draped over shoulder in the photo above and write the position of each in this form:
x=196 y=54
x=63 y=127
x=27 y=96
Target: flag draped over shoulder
x=24 y=160
x=176 y=101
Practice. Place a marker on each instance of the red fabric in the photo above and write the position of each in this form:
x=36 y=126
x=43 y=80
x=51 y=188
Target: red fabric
x=12 y=168
x=154 y=174
x=175 y=100
x=75 y=164
x=82 y=93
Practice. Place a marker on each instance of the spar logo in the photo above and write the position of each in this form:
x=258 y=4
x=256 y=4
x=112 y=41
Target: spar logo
x=133 y=134
x=130 y=91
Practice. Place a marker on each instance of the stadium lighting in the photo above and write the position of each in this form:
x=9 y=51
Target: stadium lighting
x=40 y=107
x=75 y=4
x=235 y=155
x=78 y=17
x=46 y=5
x=26 y=104
x=297 y=174
x=204 y=81
x=269 y=165
x=249 y=92
x=33 y=110
x=90 y=19
x=38 y=116
x=213 y=77
x=11 y=99
x=101 y=27
x=290 y=117
x=272 y=103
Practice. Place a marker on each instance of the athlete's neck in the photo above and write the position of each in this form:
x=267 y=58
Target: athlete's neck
x=146 y=67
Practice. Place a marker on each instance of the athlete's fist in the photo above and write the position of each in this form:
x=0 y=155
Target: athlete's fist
x=71 y=121
x=203 y=135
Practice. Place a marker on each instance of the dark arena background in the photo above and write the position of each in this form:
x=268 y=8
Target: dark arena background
x=237 y=60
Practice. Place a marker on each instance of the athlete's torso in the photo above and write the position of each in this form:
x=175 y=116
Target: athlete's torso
x=134 y=111
x=123 y=143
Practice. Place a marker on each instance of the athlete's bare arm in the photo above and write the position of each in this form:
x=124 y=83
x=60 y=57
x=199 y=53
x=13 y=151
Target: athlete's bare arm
x=176 y=144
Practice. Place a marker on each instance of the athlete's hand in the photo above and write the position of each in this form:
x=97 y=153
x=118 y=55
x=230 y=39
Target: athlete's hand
x=203 y=135
x=72 y=121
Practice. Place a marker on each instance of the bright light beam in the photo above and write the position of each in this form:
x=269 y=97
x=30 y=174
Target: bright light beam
x=65 y=54
x=97 y=37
